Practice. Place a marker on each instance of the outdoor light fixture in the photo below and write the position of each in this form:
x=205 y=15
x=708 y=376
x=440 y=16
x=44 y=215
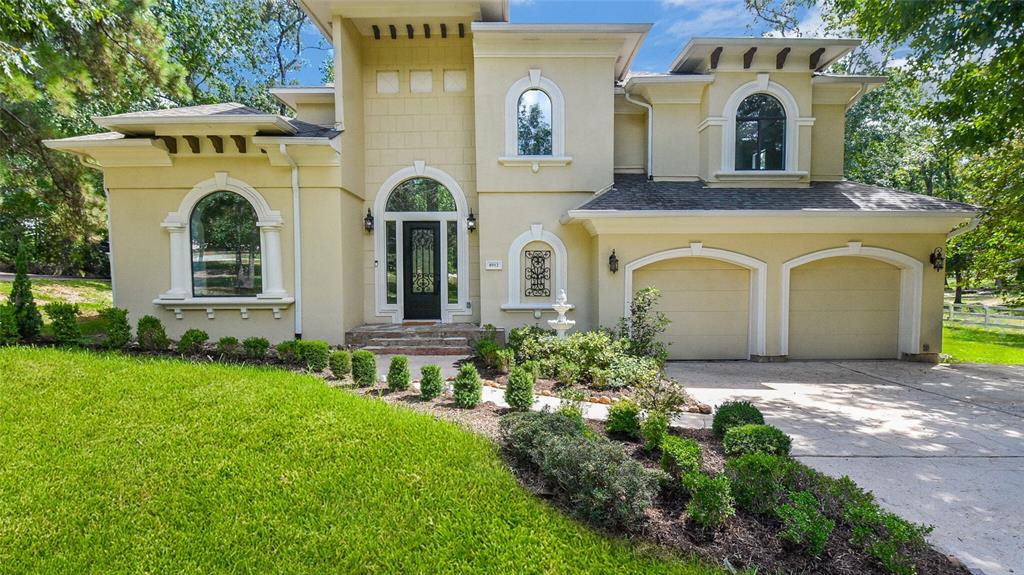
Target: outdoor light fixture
x=613 y=262
x=938 y=259
x=471 y=221
x=368 y=221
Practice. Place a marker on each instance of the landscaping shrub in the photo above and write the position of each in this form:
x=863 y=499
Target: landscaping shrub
x=641 y=329
x=151 y=335
x=565 y=371
x=532 y=367
x=734 y=413
x=340 y=363
x=759 y=481
x=228 y=345
x=711 y=500
x=624 y=418
x=26 y=315
x=116 y=328
x=885 y=536
x=664 y=395
x=521 y=432
x=431 y=383
x=804 y=525
x=519 y=335
x=632 y=371
x=571 y=405
x=255 y=347
x=600 y=482
x=64 y=322
x=313 y=354
x=398 y=374
x=504 y=359
x=519 y=389
x=364 y=368
x=192 y=341
x=8 y=326
x=467 y=389
x=654 y=429
x=487 y=350
x=753 y=438
x=288 y=351
x=680 y=456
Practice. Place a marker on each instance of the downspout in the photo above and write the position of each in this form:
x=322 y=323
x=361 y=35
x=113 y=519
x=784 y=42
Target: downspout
x=650 y=132
x=296 y=240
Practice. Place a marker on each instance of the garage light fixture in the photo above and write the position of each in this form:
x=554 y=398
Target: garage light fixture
x=368 y=221
x=613 y=262
x=471 y=221
x=937 y=259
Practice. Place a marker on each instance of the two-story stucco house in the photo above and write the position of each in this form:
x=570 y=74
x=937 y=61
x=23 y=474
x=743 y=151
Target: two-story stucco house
x=464 y=170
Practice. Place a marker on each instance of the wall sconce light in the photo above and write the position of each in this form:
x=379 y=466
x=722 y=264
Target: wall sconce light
x=938 y=259
x=613 y=262
x=471 y=221
x=368 y=221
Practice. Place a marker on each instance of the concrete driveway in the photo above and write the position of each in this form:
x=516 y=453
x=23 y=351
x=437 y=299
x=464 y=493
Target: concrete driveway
x=941 y=445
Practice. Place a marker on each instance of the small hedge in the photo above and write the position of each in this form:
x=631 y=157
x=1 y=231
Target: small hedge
x=519 y=389
x=624 y=418
x=760 y=481
x=733 y=414
x=64 y=322
x=227 y=345
x=431 y=383
x=288 y=351
x=522 y=432
x=255 y=347
x=364 y=368
x=752 y=438
x=116 y=329
x=151 y=335
x=399 y=378
x=654 y=429
x=192 y=341
x=803 y=523
x=467 y=389
x=680 y=456
x=312 y=354
x=711 y=501
x=340 y=363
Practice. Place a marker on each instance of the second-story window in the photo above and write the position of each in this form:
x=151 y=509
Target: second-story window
x=761 y=134
x=534 y=124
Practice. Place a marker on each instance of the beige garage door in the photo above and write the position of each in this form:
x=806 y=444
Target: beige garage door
x=708 y=303
x=844 y=308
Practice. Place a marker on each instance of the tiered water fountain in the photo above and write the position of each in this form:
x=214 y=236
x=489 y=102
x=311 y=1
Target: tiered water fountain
x=561 y=324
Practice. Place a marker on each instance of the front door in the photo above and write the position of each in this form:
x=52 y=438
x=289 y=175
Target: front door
x=421 y=264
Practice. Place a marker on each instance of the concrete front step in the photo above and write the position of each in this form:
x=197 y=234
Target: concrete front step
x=422 y=341
x=461 y=335
x=419 y=350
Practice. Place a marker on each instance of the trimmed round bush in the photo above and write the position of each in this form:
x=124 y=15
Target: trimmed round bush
x=804 y=525
x=398 y=374
x=192 y=341
x=151 y=335
x=288 y=351
x=467 y=389
x=624 y=418
x=255 y=347
x=340 y=363
x=116 y=328
x=431 y=382
x=64 y=322
x=227 y=345
x=680 y=456
x=654 y=429
x=756 y=439
x=734 y=413
x=759 y=481
x=313 y=354
x=364 y=368
x=711 y=501
x=519 y=389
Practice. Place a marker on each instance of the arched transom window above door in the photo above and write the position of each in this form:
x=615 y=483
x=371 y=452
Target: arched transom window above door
x=420 y=195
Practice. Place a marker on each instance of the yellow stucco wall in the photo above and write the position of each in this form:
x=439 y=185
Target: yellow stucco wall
x=630 y=142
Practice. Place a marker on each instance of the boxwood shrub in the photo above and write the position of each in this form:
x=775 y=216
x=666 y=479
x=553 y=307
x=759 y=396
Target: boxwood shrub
x=340 y=363
x=654 y=429
x=64 y=322
x=288 y=351
x=151 y=335
x=711 y=501
x=192 y=341
x=431 y=383
x=519 y=389
x=364 y=368
x=624 y=418
x=313 y=354
x=255 y=347
x=753 y=438
x=116 y=329
x=760 y=481
x=680 y=456
x=734 y=413
x=803 y=523
x=227 y=345
x=399 y=378
x=467 y=389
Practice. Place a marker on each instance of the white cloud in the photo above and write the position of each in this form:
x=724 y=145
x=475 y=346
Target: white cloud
x=712 y=20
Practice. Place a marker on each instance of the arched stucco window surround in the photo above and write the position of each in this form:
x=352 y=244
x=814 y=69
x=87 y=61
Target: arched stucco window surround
x=535 y=80
x=272 y=294
x=763 y=85
x=419 y=169
x=560 y=268
x=911 y=280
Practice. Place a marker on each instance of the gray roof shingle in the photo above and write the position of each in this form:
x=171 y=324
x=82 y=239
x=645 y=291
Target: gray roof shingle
x=634 y=192
x=222 y=109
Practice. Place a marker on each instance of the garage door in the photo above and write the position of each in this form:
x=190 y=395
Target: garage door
x=844 y=308
x=708 y=303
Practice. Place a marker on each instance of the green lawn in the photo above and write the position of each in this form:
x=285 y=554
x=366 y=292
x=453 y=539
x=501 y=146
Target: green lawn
x=111 y=464
x=90 y=295
x=973 y=345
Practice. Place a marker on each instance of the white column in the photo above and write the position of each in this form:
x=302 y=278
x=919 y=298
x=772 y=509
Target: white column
x=273 y=279
x=179 y=252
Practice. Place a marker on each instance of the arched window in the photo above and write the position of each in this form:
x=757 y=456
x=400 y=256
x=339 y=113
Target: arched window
x=538 y=269
x=420 y=195
x=225 y=245
x=534 y=124
x=760 y=134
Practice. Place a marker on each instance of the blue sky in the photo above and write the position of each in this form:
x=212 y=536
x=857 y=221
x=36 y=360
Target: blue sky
x=674 y=22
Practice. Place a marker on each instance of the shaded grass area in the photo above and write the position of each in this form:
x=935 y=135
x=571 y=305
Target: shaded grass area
x=974 y=345
x=113 y=464
x=90 y=295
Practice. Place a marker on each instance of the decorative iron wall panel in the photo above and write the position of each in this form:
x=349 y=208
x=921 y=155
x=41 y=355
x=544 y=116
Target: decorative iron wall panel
x=538 y=273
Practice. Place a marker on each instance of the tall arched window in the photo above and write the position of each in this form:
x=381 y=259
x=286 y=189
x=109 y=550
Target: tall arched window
x=534 y=124
x=225 y=245
x=761 y=134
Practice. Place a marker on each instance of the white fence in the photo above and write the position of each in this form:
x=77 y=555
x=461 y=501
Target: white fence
x=985 y=315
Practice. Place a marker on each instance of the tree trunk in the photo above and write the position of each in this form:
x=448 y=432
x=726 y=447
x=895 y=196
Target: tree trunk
x=959 y=297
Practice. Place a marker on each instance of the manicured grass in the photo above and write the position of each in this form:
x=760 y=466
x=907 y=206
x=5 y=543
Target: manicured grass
x=113 y=464
x=973 y=345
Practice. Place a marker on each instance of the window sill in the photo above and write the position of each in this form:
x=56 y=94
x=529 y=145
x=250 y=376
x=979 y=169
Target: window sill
x=774 y=175
x=210 y=304
x=535 y=162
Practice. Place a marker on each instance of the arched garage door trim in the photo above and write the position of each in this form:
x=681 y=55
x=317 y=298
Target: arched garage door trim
x=910 y=290
x=758 y=292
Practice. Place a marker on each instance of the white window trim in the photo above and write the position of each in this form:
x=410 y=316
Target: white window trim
x=396 y=311
x=536 y=233
x=534 y=81
x=911 y=272
x=756 y=330
x=793 y=122
x=180 y=295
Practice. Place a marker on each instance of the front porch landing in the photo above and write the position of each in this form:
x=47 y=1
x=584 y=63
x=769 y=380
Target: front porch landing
x=417 y=338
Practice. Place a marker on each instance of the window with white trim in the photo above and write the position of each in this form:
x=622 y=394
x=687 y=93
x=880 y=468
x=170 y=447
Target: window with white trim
x=538 y=270
x=534 y=123
x=760 y=133
x=225 y=247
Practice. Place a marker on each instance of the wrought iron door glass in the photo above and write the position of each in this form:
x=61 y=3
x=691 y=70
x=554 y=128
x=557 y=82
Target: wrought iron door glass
x=422 y=243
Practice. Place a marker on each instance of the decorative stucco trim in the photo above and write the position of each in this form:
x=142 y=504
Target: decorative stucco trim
x=536 y=233
x=911 y=271
x=534 y=81
x=793 y=121
x=756 y=330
